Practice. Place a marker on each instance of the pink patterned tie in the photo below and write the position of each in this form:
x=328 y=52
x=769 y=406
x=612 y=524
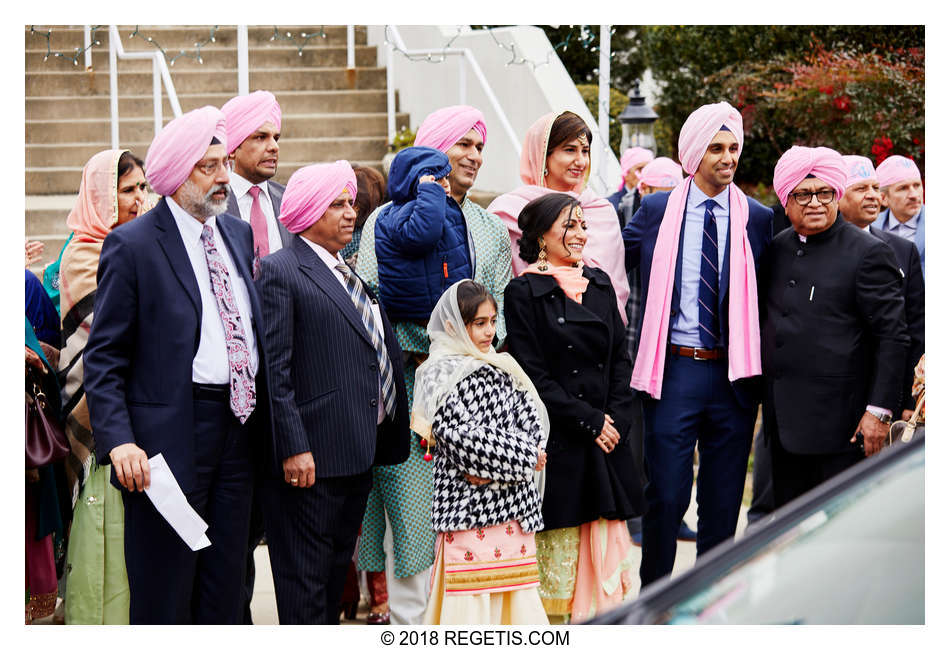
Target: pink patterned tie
x=243 y=395
x=258 y=224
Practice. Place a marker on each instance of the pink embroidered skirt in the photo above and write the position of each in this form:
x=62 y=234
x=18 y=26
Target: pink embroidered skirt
x=487 y=575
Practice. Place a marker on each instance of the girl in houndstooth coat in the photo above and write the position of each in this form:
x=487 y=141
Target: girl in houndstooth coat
x=489 y=426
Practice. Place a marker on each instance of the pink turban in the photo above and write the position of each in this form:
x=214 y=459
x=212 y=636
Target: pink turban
x=701 y=127
x=798 y=162
x=859 y=169
x=632 y=156
x=311 y=190
x=246 y=113
x=446 y=126
x=182 y=143
x=662 y=172
x=895 y=169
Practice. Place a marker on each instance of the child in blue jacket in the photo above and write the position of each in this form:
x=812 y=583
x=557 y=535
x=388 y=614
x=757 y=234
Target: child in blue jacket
x=421 y=238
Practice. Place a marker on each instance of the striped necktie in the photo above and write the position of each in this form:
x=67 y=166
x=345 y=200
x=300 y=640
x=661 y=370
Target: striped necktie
x=709 y=281
x=363 y=304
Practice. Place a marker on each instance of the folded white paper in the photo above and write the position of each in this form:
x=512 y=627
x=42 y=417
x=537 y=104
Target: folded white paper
x=170 y=501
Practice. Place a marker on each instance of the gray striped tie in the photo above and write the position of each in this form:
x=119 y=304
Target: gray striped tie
x=361 y=301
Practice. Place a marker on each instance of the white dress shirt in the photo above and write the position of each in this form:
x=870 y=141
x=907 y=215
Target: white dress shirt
x=332 y=260
x=210 y=365
x=685 y=329
x=241 y=188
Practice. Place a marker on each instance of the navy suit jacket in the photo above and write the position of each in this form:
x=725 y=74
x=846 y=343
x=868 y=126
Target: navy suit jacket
x=639 y=240
x=325 y=381
x=138 y=362
x=908 y=260
x=276 y=192
x=919 y=236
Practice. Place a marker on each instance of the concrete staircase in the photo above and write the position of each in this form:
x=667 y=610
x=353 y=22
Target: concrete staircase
x=329 y=113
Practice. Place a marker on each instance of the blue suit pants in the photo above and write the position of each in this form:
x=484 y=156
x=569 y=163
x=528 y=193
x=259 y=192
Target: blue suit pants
x=697 y=405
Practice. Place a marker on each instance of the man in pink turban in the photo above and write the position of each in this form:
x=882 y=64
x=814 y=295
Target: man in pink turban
x=833 y=333
x=859 y=206
x=632 y=161
x=174 y=379
x=902 y=195
x=253 y=131
x=339 y=397
x=403 y=494
x=697 y=360
x=253 y=124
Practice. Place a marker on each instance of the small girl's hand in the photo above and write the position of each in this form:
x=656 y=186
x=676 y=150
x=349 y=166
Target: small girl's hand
x=542 y=460
x=428 y=178
x=477 y=480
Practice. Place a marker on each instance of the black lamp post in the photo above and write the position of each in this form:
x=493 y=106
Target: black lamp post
x=637 y=120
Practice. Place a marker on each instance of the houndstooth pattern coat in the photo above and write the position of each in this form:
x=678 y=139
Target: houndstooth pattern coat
x=489 y=429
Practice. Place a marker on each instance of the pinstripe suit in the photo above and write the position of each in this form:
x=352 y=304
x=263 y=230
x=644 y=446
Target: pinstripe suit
x=325 y=396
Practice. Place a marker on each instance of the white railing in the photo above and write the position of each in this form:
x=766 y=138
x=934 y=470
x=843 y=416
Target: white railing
x=160 y=74
x=466 y=55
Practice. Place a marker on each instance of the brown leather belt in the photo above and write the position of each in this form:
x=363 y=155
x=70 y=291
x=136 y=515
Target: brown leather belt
x=700 y=354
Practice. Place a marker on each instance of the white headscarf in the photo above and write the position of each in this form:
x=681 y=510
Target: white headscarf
x=453 y=357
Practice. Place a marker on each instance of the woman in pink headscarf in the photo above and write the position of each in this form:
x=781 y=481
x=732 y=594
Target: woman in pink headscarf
x=112 y=192
x=556 y=158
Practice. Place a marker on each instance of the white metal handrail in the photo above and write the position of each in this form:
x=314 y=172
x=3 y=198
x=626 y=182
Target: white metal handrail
x=160 y=74
x=466 y=55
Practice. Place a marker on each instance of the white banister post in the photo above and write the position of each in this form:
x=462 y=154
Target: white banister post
x=390 y=94
x=113 y=87
x=243 y=74
x=603 y=102
x=157 y=94
x=350 y=47
x=463 y=91
x=87 y=43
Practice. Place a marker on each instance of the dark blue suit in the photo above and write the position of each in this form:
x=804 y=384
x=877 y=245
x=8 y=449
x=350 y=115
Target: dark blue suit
x=698 y=404
x=137 y=378
x=325 y=391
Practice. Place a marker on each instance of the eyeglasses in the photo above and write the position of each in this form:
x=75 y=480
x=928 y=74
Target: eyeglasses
x=825 y=196
x=210 y=167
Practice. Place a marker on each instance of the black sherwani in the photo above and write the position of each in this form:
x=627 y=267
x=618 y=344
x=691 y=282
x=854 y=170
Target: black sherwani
x=833 y=342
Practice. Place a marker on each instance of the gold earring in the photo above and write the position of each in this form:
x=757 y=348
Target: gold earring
x=542 y=257
x=545 y=171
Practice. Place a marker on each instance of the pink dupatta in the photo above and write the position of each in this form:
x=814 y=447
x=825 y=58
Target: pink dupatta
x=604 y=248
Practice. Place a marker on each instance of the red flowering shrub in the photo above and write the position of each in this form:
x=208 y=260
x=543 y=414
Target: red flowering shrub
x=870 y=104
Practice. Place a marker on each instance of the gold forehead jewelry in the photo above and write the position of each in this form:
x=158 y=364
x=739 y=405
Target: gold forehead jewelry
x=578 y=213
x=583 y=138
x=346 y=190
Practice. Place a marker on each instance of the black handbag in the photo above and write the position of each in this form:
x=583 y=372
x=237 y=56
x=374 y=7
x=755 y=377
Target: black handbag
x=45 y=439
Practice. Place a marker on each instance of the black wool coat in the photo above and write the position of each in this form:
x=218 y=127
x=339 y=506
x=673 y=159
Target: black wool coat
x=576 y=357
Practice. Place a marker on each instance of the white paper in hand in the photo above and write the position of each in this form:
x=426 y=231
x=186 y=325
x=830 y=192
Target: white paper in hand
x=170 y=501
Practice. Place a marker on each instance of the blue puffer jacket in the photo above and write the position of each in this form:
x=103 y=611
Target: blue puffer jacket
x=421 y=239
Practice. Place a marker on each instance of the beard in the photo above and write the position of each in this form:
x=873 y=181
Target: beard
x=201 y=206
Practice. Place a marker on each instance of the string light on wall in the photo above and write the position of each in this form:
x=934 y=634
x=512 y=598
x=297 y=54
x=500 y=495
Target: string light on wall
x=79 y=50
x=287 y=36
x=428 y=57
x=181 y=53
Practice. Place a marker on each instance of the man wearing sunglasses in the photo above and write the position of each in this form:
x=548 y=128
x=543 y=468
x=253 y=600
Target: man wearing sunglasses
x=833 y=332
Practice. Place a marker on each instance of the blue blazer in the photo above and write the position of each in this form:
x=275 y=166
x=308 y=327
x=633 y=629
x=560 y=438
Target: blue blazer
x=146 y=331
x=639 y=240
x=325 y=384
x=918 y=237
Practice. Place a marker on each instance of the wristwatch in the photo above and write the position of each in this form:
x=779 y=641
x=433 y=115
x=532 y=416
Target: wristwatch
x=881 y=415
